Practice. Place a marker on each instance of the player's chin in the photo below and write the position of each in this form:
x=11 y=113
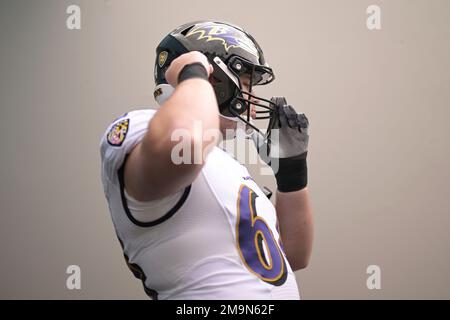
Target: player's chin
x=227 y=128
x=253 y=112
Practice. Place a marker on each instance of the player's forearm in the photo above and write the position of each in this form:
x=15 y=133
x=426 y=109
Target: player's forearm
x=194 y=102
x=295 y=220
x=193 y=111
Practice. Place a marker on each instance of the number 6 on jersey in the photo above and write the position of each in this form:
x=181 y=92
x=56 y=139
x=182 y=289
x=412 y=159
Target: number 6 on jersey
x=256 y=244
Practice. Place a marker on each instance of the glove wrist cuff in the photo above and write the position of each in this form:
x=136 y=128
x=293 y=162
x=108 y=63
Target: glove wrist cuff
x=292 y=174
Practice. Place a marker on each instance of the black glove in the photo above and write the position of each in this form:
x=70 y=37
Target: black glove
x=285 y=146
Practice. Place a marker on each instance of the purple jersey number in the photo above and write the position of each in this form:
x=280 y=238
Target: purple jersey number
x=253 y=235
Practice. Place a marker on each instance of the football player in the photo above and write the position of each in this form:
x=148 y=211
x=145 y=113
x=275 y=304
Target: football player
x=204 y=229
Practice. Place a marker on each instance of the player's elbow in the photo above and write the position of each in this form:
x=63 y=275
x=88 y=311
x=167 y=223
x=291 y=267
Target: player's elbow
x=298 y=259
x=300 y=264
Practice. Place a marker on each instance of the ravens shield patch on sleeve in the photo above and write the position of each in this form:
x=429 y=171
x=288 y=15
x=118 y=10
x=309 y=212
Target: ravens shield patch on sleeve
x=118 y=133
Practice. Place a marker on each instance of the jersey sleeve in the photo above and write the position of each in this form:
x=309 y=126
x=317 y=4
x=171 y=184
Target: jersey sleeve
x=119 y=139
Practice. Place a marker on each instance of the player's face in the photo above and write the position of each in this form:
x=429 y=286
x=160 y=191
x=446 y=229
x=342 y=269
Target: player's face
x=245 y=81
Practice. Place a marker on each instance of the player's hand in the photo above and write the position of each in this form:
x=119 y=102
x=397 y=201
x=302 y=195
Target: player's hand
x=179 y=63
x=286 y=146
x=293 y=131
x=288 y=133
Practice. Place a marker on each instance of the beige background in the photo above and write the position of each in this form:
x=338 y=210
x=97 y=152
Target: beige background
x=378 y=102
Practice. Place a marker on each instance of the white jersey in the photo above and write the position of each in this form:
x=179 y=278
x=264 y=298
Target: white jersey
x=217 y=239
